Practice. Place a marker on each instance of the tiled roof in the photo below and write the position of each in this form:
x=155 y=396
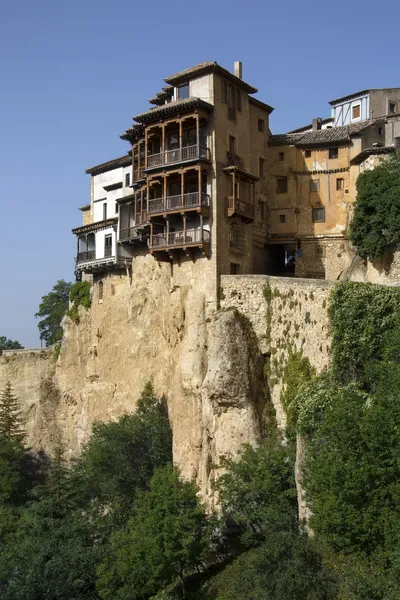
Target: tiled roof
x=349 y=97
x=184 y=105
x=306 y=127
x=361 y=156
x=261 y=105
x=208 y=67
x=319 y=137
x=166 y=93
x=133 y=133
x=122 y=161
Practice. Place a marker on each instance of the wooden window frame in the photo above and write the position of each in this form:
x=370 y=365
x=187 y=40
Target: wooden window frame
x=334 y=150
x=314 y=214
x=314 y=185
x=285 y=191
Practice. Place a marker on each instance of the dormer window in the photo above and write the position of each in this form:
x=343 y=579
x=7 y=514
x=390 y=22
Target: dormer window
x=183 y=91
x=356 y=111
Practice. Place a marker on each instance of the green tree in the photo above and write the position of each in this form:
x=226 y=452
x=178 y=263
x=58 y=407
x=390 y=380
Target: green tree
x=258 y=491
x=7 y=344
x=121 y=457
x=374 y=227
x=53 y=552
x=51 y=311
x=166 y=536
x=11 y=421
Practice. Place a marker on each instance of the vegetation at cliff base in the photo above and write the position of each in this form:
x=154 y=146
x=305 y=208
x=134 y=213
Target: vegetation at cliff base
x=79 y=296
x=375 y=223
x=52 y=309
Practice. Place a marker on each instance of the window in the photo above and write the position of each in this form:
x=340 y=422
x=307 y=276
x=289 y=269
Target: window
x=232 y=145
x=104 y=211
x=239 y=101
x=281 y=185
x=183 y=91
x=261 y=165
x=236 y=235
x=224 y=92
x=314 y=185
x=234 y=268
x=116 y=208
x=318 y=215
x=380 y=130
x=340 y=184
x=127 y=179
x=281 y=156
x=262 y=209
x=101 y=285
x=107 y=245
x=261 y=125
x=282 y=218
x=356 y=111
x=307 y=153
x=392 y=107
x=333 y=152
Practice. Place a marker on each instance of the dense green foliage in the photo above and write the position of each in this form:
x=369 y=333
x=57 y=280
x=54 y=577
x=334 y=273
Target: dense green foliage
x=375 y=224
x=361 y=314
x=51 y=311
x=7 y=344
x=297 y=373
x=79 y=296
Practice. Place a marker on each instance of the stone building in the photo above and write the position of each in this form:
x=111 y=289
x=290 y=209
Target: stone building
x=192 y=191
x=313 y=172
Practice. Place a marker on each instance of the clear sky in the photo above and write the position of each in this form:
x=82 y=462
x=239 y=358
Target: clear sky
x=73 y=73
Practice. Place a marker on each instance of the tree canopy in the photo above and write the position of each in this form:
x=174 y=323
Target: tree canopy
x=7 y=344
x=51 y=311
x=375 y=224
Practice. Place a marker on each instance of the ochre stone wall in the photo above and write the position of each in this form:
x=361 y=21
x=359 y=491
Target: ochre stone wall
x=282 y=311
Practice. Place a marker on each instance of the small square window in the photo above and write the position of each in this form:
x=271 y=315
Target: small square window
x=307 y=153
x=339 y=184
x=183 y=91
x=392 y=107
x=281 y=185
x=356 y=111
x=261 y=167
x=282 y=218
x=127 y=179
x=281 y=156
x=333 y=152
x=318 y=215
x=261 y=125
x=314 y=185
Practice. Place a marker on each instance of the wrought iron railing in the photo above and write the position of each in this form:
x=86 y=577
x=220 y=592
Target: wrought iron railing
x=233 y=160
x=177 y=202
x=107 y=251
x=178 y=155
x=180 y=238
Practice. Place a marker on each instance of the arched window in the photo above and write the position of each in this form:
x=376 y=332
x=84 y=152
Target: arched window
x=101 y=290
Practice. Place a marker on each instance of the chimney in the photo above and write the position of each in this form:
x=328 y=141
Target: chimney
x=237 y=69
x=316 y=124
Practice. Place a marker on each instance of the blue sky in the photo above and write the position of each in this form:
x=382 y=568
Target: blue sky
x=73 y=74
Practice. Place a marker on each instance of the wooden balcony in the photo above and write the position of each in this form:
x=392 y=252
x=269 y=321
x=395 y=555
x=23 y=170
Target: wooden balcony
x=138 y=174
x=86 y=256
x=240 y=208
x=171 y=157
x=181 y=240
x=197 y=201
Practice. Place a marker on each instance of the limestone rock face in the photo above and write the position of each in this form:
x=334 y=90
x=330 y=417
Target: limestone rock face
x=206 y=362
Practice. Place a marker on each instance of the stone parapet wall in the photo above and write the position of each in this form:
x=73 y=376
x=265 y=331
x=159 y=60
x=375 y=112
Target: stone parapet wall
x=284 y=312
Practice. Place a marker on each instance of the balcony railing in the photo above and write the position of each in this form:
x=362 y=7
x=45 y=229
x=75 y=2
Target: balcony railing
x=187 y=201
x=138 y=174
x=240 y=207
x=194 y=237
x=85 y=256
x=233 y=160
x=170 y=157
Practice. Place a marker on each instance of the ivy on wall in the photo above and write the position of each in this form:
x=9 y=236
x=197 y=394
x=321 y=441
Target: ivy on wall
x=79 y=296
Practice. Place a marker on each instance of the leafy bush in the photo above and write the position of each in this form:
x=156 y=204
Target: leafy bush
x=79 y=296
x=375 y=224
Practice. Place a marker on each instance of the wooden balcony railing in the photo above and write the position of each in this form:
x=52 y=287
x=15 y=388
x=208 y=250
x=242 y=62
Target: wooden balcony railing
x=241 y=208
x=85 y=256
x=179 y=202
x=138 y=174
x=194 y=237
x=233 y=160
x=179 y=155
